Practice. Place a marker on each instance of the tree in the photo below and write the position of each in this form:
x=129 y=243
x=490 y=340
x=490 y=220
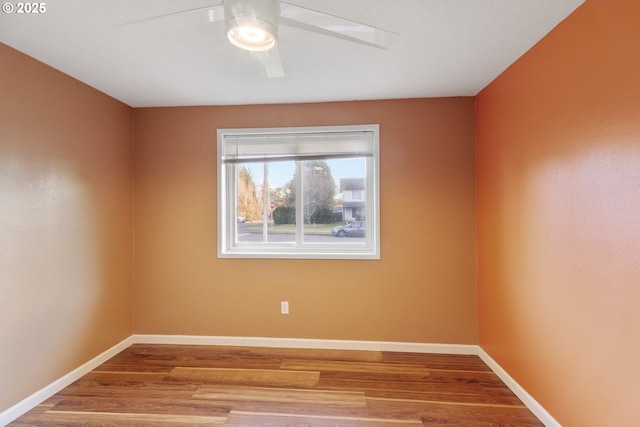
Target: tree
x=319 y=189
x=249 y=205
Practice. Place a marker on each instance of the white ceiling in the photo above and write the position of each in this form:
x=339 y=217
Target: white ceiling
x=442 y=48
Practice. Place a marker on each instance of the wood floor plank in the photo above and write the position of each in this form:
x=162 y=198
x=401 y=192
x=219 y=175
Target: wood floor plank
x=142 y=405
x=165 y=358
x=129 y=375
x=422 y=375
x=361 y=370
x=449 y=362
x=121 y=418
x=306 y=353
x=441 y=414
x=286 y=396
x=264 y=419
x=440 y=384
x=268 y=377
x=477 y=397
x=401 y=401
x=180 y=355
x=127 y=385
x=344 y=366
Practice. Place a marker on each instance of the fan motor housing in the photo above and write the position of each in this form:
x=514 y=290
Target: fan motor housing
x=253 y=14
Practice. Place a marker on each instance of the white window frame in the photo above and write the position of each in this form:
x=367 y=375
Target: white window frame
x=230 y=247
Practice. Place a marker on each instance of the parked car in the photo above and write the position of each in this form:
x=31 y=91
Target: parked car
x=242 y=219
x=354 y=229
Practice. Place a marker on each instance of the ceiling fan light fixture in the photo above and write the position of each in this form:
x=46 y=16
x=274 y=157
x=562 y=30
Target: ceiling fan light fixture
x=255 y=36
x=252 y=24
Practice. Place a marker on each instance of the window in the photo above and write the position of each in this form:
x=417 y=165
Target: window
x=299 y=192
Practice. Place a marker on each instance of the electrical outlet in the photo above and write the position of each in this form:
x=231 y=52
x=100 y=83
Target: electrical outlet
x=284 y=307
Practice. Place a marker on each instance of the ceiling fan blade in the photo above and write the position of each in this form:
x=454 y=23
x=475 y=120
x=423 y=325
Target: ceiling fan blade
x=319 y=22
x=206 y=14
x=271 y=62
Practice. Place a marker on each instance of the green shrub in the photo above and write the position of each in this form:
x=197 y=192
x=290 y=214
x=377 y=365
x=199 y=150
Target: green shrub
x=322 y=216
x=284 y=215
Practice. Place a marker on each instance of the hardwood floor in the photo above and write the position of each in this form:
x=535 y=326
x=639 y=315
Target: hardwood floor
x=161 y=385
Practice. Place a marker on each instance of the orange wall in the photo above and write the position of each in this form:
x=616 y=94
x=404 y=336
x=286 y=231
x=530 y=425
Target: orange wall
x=423 y=288
x=558 y=171
x=65 y=224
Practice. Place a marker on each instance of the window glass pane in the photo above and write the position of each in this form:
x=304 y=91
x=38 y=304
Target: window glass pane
x=330 y=209
x=265 y=216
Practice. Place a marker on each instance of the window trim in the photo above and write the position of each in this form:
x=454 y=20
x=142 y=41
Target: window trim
x=227 y=203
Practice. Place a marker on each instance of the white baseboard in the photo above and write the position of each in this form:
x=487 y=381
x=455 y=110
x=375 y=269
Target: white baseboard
x=517 y=389
x=43 y=394
x=307 y=343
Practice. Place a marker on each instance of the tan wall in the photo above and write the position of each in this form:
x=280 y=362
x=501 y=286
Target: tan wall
x=558 y=148
x=423 y=288
x=65 y=224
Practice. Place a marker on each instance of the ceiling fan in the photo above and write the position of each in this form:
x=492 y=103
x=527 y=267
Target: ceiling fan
x=252 y=25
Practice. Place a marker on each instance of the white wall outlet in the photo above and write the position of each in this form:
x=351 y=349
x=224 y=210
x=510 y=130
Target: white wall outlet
x=284 y=307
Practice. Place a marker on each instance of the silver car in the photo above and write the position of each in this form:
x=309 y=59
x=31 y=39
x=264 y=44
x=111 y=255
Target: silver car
x=354 y=229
